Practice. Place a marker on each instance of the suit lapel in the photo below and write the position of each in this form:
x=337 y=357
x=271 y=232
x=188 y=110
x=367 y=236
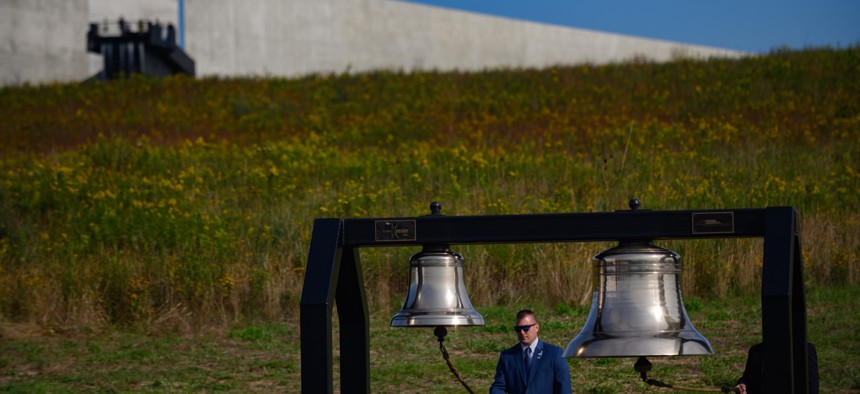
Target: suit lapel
x=536 y=359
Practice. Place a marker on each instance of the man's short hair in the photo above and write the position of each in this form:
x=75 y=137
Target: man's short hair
x=526 y=312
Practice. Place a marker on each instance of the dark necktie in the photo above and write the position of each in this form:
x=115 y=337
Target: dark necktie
x=527 y=359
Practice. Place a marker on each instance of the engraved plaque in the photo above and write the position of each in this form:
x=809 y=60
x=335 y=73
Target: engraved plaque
x=714 y=223
x=395 y=230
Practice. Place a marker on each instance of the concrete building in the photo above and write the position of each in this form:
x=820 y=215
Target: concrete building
x=45 y=40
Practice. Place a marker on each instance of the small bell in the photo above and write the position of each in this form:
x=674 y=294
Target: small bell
x=437 y=295
x=636 y=307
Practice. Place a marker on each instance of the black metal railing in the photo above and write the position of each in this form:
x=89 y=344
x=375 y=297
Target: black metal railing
x=143 y=47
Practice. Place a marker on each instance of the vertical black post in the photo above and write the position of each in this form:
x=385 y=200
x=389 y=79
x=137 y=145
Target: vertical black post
x=111 y=59
x=139 y=50
x=798 y=322
x=318 y=293
x=354 y=325
x=783 y=305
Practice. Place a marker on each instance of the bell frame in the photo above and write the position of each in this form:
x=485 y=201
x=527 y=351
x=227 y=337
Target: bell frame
x=333 y=274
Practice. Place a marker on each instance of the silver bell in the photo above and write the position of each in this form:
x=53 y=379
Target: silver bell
x=636 y=307
x=437 y=295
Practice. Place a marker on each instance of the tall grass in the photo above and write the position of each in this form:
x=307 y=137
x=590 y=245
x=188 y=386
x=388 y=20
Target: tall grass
x=180 y=202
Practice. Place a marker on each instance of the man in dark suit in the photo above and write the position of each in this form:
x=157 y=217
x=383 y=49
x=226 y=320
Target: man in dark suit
x=752 y=379
x=531 y=366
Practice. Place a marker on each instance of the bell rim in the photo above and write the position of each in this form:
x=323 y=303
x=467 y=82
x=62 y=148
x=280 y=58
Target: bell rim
x=704 y=348
x=403 y=319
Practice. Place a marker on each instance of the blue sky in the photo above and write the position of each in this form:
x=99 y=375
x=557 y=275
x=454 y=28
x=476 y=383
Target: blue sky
x=747 y=25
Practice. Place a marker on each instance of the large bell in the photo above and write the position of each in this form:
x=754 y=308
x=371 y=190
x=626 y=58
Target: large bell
x=437 y=295
x=636 y=307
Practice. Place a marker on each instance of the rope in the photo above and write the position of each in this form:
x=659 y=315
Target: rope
x=440 y=333
x=643 y=366
x=723 y=389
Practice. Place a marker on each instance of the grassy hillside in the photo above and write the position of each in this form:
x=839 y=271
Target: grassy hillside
x=175 y=203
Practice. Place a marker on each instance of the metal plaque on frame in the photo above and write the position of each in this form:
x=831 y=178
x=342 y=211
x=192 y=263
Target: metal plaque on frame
x=713 y=223
x=395 y=230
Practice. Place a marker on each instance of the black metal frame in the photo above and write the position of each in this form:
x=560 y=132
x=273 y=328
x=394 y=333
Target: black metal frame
x=333 y=274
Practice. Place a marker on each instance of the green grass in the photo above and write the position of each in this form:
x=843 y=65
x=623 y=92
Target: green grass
x=182 y=203
x=265 y=357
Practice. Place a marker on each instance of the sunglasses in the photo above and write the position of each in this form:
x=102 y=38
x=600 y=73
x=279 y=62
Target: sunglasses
x=524 y=328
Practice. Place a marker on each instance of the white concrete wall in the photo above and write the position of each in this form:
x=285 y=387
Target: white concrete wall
x=298 y=37
x=37 y=42
x=228 y=37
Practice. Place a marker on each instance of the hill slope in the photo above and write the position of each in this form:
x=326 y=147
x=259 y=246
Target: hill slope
x=156 y=200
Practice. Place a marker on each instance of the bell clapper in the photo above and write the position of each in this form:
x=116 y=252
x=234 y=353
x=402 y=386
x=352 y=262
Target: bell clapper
x=440 y=333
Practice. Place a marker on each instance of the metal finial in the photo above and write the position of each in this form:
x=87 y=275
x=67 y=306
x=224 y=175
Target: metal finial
x=435 y=208
x=634 y=204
